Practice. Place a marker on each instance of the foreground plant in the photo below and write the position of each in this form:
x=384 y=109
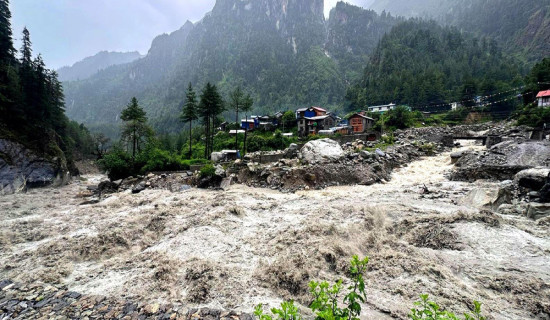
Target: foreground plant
x=429 y=310
x=326 y=298
x=288 y=311
x=325 y=303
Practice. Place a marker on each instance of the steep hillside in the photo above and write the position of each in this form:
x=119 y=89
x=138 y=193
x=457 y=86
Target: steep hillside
x=521 y=26
x=91 y=65
x=283 y=52
x=353 y=34
x=422 y=64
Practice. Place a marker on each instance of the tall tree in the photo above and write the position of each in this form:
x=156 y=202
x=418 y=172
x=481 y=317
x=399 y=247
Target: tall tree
x=190 y=113
x=7 y=51
x=135 y=127
x=8 y=84
x=26 y=49
x=211 y=106
x=237 y=101
x=247 y=107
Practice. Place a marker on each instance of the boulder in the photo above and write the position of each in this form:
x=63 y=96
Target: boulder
x=226 y=183
x=380 y=153
x=455 y=156
x=324 y=150
x=21 y=168
x=220 y=171
x=291 y=151
x=139 y=187
x=489 y=198
x=217 y=156
x=533 y=179
x=538 y=211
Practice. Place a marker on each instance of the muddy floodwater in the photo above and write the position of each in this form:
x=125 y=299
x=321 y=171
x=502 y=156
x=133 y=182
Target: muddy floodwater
x=235 y=249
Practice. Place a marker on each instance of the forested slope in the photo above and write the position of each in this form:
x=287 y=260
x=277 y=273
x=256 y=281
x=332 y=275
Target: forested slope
x=421 y=64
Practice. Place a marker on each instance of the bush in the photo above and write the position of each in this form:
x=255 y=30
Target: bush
x=117 y=163
x=429 y=310
x=208 y=171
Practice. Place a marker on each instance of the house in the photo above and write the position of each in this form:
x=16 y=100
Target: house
x=225 y=155
x=543 y=98
x=383 y=108
x=455 y=106
x=250 y=124
x=360 y=123
x=263 y=122
x=314 y=119
x=342 y=129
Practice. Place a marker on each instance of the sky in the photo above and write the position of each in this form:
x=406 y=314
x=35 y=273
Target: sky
x=66 y=31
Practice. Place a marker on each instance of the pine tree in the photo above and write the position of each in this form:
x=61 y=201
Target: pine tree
x=135 y=127
x=8 y=81
x=211 y=106
x=26 y=49
x=7 y=51
x=190 y=113
x=236 y=100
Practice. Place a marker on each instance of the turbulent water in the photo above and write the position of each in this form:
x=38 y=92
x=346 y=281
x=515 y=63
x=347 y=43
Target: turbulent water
x=246 y=246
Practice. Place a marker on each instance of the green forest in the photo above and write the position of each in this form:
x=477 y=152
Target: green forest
x=424 y=65
x=32 y=101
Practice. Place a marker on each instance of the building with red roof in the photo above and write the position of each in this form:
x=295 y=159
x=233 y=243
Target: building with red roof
x=544 y=98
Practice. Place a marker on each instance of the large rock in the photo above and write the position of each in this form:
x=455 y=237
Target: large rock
x=533 y=179
x=489 y=198
x=324 y=150
x=21 y=168
x=537 y=211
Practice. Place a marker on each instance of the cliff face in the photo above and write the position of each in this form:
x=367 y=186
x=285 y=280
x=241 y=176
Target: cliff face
x=91 y=65
x=21 y=168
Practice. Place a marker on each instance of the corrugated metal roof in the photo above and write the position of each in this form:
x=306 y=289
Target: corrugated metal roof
x=545 y=93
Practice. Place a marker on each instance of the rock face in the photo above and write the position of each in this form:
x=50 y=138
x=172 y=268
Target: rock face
x=533 y=179
x=325 y=150
x=503 y=161
x=21 y=168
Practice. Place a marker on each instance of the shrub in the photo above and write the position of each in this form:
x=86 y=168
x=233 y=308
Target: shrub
x=208 y=171
x=325 y=298
x=429 y=310
x=117 y=163
x=288 y=311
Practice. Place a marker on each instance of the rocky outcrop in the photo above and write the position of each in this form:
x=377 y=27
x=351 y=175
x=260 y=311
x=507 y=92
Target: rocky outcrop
x=21 y=168
x=502 y=161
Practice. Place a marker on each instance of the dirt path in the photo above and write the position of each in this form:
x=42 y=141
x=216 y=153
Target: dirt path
x=235 y=249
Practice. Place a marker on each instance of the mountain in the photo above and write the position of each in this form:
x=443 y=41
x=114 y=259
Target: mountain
x=422 y=64
x=282 y=51
x=414 y=8
x=521 y=26
x=91 y=65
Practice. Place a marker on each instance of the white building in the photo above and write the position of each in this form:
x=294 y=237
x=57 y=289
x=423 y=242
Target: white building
x=383 y=108
x=544 y=98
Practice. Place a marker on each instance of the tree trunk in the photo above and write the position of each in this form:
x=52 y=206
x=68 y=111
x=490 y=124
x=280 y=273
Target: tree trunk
x=190 y=139
x=237 y=130
x=245 y=135
x=134 y=144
